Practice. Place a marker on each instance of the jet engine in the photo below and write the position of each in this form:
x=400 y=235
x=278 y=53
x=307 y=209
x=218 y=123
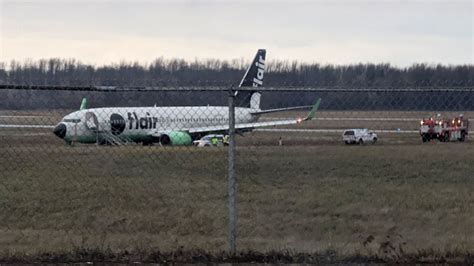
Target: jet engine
x=176 y=138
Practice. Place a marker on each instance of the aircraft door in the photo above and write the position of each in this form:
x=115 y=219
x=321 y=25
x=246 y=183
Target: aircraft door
x=92 y=123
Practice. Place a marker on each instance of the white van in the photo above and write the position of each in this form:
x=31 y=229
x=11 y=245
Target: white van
x=359 y=136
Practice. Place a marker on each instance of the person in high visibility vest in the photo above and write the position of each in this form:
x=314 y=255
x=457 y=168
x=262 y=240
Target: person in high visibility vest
x=214 y=141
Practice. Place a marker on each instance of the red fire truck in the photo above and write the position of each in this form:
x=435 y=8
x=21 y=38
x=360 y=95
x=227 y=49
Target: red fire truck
x=444 y=130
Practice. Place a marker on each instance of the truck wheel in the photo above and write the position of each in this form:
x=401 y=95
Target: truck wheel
x=425 y=137
x=442 y=138
x=446 y=137
x=463 y=136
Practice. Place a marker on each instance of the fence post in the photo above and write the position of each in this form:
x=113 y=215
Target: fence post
x=231 y=175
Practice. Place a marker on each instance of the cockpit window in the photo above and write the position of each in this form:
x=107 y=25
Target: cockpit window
x=72 y=120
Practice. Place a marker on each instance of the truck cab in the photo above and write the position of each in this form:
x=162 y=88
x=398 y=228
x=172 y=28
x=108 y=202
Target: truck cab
x=444 y=130
x=430 y=129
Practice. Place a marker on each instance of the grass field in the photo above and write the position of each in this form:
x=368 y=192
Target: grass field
x=312 y=194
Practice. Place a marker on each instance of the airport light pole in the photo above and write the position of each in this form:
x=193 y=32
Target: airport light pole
x=231 y=175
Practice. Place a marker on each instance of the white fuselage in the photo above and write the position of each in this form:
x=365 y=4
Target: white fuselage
x=139 y=123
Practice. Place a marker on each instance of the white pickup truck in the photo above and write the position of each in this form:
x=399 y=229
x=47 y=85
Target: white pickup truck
x=359 y=136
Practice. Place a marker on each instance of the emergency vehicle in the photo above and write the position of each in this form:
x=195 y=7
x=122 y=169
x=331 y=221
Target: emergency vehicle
x=444 y=130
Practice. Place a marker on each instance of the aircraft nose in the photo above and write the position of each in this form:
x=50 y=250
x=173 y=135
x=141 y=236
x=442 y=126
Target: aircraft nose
x=60 y=130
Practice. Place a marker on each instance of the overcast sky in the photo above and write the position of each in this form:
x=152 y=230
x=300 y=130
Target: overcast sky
x=338 y=32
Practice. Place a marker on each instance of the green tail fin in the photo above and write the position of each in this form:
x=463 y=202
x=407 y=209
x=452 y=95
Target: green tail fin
x=313 y=110
x=83 y=104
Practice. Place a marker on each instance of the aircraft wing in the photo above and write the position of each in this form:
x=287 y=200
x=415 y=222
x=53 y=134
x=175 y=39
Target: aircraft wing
x=281 y=109
x=244 y=126
x=249 y=126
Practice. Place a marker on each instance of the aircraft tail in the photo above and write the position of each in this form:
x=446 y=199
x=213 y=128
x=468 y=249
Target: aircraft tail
x=253 y=78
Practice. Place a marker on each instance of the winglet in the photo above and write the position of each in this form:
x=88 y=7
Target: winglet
x=313 y=110
x=83 y=104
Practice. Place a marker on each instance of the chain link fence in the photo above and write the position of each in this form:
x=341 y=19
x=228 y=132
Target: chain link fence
x=146 y=169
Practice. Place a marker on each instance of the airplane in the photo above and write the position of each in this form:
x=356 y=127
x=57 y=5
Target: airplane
x=176 y=125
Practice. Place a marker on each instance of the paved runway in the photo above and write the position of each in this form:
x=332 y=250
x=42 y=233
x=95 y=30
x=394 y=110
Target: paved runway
x=25 y=126
x=327 y=130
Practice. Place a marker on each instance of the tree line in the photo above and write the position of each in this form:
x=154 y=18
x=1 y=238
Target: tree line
x=213 y=72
